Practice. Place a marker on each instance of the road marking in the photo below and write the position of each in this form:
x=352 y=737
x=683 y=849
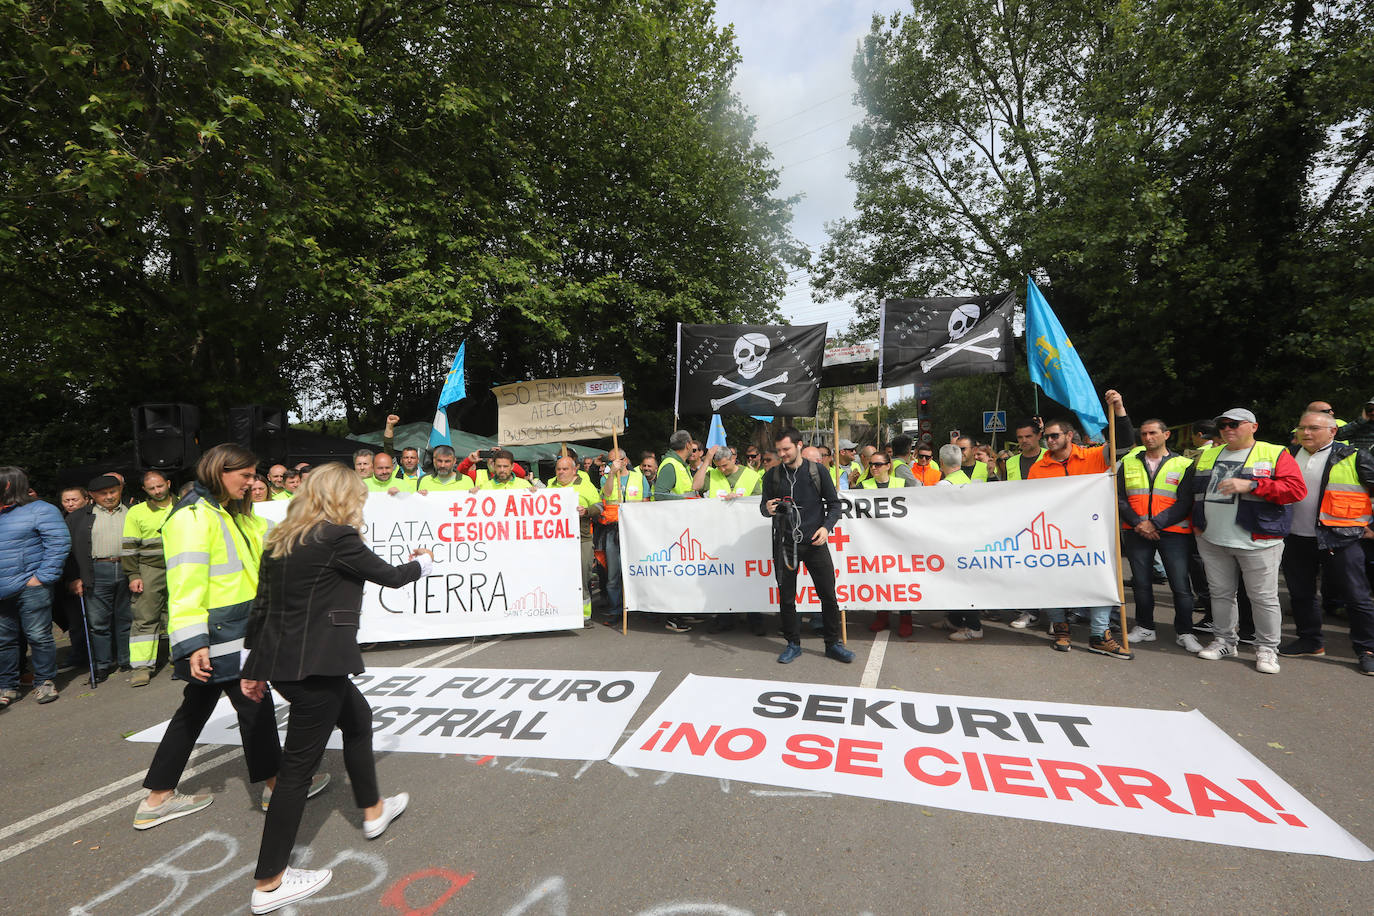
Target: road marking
x=463 y=651
x=874 y=666
x=9 y=852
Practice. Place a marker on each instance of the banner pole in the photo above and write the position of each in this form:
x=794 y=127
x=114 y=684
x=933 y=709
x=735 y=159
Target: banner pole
x=996 y=407
x=1116 y=529
x=835 y=472
x=624 y=614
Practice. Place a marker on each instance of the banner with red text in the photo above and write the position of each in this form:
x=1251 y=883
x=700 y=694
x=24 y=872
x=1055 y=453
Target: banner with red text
x=565 y=715
x=505 y=561
x=996 y=545
x=1146 y=771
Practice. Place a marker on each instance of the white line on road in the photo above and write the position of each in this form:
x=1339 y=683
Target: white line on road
x=874 y=666
x=10 y=852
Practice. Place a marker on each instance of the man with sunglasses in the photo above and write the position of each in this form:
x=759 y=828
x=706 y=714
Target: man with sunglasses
x=1243 y=494
x=1064 y=459
x=925 y=468
x=753 y=459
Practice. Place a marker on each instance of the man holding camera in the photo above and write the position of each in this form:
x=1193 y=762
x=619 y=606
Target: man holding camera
x=801 y=499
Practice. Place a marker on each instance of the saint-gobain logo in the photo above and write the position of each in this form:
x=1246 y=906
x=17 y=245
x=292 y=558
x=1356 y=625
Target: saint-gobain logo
x=1038 y=535
x=1040 y=544
x=534 y=603
x=685 y=549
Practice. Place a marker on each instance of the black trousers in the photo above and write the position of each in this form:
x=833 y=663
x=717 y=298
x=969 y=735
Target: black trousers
x=822 y=568
x=1342 y=575
x=257 y=728
x=318 y=704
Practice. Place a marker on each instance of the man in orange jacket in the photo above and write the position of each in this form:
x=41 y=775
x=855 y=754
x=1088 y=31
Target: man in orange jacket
x=1064 y=459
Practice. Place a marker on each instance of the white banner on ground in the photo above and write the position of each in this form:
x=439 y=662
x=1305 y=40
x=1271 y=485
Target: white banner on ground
x=1172 y=774
x=505 y=561
x=566 y=715
x=997 y=545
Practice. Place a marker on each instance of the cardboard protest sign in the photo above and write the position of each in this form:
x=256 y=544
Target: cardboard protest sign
x=560 y=409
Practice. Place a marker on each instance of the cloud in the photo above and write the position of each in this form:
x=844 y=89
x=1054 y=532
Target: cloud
x=794 y=76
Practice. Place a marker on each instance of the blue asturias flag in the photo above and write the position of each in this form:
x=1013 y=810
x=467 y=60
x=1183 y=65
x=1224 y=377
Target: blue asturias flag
x=716 y=436
x=454 y=390
x=1055 y=366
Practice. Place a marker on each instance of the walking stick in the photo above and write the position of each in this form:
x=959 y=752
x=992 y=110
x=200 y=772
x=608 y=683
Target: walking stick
x=86 y=631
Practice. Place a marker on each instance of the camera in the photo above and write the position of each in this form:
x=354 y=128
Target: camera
x=486 y=454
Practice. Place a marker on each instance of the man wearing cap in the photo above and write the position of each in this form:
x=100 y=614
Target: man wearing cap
x=1243 y=495
x=95 y=572
x=1327 y=527
x=846 y=465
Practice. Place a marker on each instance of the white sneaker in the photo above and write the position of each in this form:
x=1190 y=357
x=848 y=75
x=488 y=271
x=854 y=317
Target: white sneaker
x=391 y=809
x=964 y=634
x=1141 y=634
x=1217 y=649
x=1025 y=619
x=296 y=885
x=1266 y=660
x=1189 y=642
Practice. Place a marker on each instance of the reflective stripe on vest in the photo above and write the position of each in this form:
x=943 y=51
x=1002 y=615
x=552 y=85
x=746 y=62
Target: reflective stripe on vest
x=1345 y=502
x=893 y=483
x=1149 y=498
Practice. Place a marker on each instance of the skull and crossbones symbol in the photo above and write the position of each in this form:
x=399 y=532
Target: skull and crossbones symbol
x=750 y=352
x=961 y=321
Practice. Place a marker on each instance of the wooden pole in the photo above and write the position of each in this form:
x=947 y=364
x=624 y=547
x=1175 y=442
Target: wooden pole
x=624 y=612
x=835 y=468
x=1116 y=529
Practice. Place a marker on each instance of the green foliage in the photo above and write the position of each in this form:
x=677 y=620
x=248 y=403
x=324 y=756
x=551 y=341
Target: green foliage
x=289 y=203
x=1192 y=177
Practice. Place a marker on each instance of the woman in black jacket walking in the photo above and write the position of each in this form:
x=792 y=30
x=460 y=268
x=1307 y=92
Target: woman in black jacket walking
x=303 y=638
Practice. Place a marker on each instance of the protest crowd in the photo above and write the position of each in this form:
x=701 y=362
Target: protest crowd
x=191 y=569
x=1218 y=521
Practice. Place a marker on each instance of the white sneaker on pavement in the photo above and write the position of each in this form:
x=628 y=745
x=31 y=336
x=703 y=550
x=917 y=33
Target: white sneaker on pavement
x=296 y=885
x=1217 y=649
x=1189 y=642
x=1025 y=619
x=1266 y=660
x=1141 y=634
x=391 y=809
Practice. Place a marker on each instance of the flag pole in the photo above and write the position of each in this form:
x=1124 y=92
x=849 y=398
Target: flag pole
x=1116 y=529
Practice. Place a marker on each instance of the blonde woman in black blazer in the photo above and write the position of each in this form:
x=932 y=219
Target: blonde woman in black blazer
x=303 y=638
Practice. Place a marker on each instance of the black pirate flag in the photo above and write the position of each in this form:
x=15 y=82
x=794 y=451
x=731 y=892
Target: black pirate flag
x=926 y=339
x=749 y=369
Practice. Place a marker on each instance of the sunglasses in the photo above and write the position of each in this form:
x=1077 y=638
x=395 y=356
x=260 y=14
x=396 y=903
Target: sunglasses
x=877 y=464
x=1054 y=435
x=752 y=455
x=1228 y=424
x=924 y=457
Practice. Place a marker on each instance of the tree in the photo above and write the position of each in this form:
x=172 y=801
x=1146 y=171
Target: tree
x=249 y=201
x=1191 y=177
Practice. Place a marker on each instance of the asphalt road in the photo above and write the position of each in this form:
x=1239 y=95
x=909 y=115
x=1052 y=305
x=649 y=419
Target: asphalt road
x=548 y=837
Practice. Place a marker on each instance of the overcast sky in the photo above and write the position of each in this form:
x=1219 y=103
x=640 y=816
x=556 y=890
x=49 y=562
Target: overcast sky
x=795 y=78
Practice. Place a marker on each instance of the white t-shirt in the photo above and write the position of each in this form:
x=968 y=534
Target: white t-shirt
x=1220 y=508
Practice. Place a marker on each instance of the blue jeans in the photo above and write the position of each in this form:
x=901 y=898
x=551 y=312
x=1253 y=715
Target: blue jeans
x=615 y=587
x=109 y=614
x=29 y=609
x=1175 y=549
x=1099 y=618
